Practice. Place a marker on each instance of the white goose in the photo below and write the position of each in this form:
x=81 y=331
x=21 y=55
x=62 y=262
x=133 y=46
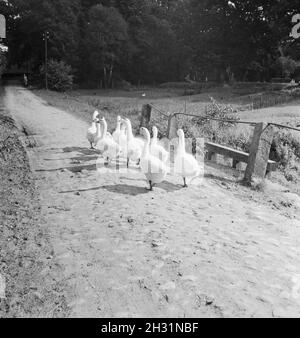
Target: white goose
x=109 y=148
x=156 y=149
x=119 y=135
x=123 y=129
x=153 y=168
x=185 y=164
x=92 y=131
x=134 y=146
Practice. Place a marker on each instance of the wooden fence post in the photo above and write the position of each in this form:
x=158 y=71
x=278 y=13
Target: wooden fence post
x=259 y=152
x=172 y=127
x=145 y=116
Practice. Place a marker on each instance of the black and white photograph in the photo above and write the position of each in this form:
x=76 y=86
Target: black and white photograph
x=149 y=161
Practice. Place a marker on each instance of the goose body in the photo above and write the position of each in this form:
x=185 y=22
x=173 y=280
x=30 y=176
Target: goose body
x=140 y=141
x=156 y=149
x=134 y=146
x=106 y=144
x=153 y=168
x=92 y=131
x=185 y=164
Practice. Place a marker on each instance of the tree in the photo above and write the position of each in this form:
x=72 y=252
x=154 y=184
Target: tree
x=60 y=76
x=154 y=40
x=28 y=19
x=106 y=38
x=226 y=37
x=153 y=54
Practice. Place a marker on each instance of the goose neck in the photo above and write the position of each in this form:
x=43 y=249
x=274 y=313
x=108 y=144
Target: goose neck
x=181 y=145
x=98 y=129
x=104 y=129
x=95 y=115
x=129 y=131
x=146 y=146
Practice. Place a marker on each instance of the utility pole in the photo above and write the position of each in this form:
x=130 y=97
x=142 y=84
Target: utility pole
x=46 y=37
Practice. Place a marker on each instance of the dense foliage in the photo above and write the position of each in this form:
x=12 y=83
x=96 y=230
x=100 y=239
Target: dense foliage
x=2 y=62
x=60 y=76
x=154 y=41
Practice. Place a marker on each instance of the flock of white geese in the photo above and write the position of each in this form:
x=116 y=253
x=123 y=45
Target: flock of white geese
x=149 y=154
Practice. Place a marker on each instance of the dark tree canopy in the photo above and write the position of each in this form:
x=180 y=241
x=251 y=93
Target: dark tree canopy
x=153 y=41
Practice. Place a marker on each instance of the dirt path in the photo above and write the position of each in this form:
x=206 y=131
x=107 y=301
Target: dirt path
x=204 y=251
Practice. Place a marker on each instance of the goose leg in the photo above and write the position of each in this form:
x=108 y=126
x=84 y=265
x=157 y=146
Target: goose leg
x=127 y=162
x=138 y=162
x=118 y=163
x=151 y=186
x=92 y=145
x=184 y=181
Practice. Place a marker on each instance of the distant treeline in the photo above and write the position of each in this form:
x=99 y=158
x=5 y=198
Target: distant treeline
x=155 y=41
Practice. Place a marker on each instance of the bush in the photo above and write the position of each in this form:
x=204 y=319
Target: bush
x=285 y=148
x=213 y=130
x=187 y=85
x=59 y=75
x=3 y=62
x=285 y=67
x=216 y=131
x=291 y=175
x=281 y=80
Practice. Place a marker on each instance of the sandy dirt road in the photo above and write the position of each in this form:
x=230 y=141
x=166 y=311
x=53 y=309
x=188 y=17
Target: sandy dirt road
x=208 y=250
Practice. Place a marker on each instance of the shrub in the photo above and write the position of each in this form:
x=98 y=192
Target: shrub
x=59 y=75
x=186 y=85
x=291 y=176
x=210 y=129
x=285 y=66
x=3 y=62
x=281 y=80
x=258 y=185
x=285 y=148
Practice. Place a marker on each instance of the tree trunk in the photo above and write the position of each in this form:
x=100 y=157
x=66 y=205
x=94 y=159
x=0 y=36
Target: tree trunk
x=110 y=76
x=105 y=77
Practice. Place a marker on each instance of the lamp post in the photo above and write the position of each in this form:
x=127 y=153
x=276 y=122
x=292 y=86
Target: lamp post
x=46 y=36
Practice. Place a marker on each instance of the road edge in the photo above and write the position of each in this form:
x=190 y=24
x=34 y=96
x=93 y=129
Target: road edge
x=31 y=283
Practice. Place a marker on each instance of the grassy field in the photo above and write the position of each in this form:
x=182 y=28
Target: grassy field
x=129 y=103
